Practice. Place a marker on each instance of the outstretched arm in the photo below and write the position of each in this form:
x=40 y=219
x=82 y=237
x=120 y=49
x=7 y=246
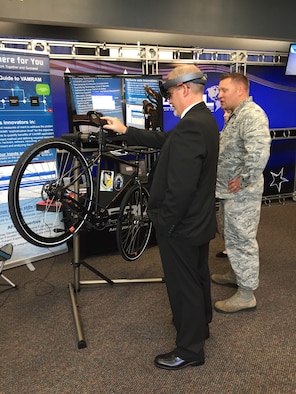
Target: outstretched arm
x=114 y=124
x=134 y=136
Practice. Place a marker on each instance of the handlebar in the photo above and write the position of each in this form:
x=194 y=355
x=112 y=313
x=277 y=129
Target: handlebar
x=100 y=137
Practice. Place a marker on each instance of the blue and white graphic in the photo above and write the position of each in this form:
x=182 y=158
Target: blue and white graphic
x=278 y=179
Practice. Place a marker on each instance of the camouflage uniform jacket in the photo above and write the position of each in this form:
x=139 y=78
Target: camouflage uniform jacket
x=244 y=150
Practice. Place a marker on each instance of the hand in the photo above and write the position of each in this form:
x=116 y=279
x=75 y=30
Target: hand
x=234 y=185
x=114 y=124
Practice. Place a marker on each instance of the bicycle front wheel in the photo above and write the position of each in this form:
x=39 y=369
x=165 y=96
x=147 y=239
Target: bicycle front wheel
x=50 y=192
x=133 y=225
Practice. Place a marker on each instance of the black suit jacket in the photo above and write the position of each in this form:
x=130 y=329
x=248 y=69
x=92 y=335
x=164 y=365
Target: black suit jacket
x=182 y=196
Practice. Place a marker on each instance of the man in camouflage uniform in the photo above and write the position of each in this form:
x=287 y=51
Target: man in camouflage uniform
x=244 y=151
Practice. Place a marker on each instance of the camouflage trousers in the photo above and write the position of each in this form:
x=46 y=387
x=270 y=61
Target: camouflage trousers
x=240 y=218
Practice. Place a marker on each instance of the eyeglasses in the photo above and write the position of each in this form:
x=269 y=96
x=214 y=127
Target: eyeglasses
x=170 y=93
x=197 y=77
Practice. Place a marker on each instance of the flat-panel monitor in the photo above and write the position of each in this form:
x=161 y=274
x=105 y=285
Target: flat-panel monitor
x=101 y=93
x=291 y=62
x=143 y=102
x=134 y=99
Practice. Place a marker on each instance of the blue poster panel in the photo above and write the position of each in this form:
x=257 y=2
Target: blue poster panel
x=26 y=117
x=25 y=103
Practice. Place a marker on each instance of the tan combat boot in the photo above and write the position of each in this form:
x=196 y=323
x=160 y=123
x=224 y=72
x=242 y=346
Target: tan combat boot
x=228 y=279
x=240 y=301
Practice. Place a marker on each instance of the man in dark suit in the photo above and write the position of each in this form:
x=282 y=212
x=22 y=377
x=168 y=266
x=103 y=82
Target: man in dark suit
x=183 y=210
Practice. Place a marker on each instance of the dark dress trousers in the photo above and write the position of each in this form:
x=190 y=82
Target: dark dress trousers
x=183 y=211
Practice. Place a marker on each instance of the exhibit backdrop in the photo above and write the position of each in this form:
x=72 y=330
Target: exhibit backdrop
x=26 y=117
x=274 y=91
x=33 y=106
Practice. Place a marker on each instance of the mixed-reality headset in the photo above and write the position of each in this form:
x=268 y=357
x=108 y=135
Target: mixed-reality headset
x=198 y=77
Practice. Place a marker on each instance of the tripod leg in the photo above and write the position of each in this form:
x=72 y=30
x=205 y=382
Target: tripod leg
x=74 y=289
x=8 y=280
x=76 y=262
x=80 y=336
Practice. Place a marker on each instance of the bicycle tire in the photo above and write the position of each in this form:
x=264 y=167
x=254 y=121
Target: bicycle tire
x=133 y=225
x=50 y=192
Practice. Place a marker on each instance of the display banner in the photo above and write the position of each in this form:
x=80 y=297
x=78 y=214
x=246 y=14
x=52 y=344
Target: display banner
x=276 y=94
x=274 y=91
x=270 y=88
x=26 y=117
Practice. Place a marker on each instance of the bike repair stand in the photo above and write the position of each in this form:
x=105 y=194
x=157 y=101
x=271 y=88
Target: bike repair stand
x=75 y=287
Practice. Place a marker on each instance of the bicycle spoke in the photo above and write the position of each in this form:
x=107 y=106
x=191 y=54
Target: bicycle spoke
x=51 y=192
x=134 y=226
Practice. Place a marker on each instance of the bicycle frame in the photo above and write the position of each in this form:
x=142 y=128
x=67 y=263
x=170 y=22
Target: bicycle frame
x=104 y=151
x=69 y=197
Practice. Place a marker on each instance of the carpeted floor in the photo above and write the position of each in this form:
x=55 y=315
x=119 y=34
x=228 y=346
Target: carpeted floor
x=127 y=325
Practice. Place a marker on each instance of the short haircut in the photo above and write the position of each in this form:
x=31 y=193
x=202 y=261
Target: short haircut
x=237 y=77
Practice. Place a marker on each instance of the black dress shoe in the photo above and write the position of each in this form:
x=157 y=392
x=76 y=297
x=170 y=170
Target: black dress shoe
x=221 y=254
x=173 y=362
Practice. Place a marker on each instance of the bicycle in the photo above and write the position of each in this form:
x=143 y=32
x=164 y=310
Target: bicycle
x=54 y=192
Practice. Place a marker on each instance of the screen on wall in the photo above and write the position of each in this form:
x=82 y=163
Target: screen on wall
x=94 y=93
x=142 y=97
x=291 y=62
x=135 y=100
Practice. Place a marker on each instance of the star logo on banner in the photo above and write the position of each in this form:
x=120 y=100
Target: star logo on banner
x=278 y=179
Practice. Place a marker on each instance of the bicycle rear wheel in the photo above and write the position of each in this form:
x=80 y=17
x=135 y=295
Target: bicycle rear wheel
x=133 y=225
x=50 y=192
